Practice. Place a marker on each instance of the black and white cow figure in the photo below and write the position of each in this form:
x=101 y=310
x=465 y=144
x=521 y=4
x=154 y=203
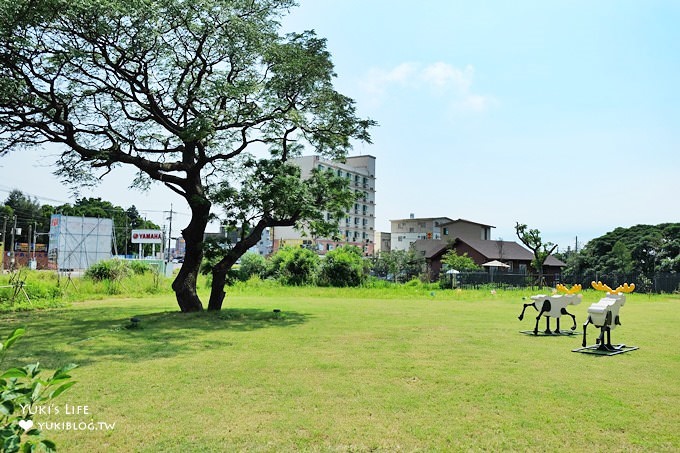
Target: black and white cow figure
x=554 y=306
x=605 y=313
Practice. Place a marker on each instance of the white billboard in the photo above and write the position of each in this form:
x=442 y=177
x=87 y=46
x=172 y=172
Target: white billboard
x=79 y=242
x=147 y=237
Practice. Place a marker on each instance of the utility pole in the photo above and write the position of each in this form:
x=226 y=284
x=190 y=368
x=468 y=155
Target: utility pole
x=4 y=243
x=11 y=249
x=35 y=238
x=169 y=231
x=30 y=234
x=127 y=235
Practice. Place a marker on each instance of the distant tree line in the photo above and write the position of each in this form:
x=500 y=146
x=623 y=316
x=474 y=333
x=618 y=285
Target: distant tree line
x=641 y=251
x=33 y=217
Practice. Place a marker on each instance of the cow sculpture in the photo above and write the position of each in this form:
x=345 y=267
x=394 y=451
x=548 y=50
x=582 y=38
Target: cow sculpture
x=554 y=306
x=605 y=313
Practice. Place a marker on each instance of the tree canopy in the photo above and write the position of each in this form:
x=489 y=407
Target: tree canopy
x=203 y=96
x=461 y=263
x=641 y=249
x=541 y=250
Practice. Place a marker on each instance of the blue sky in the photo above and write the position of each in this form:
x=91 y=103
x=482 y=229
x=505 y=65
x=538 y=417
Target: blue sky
x=561 y=115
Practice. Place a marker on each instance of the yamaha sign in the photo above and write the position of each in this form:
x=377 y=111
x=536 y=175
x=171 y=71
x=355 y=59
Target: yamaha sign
x=147 y=237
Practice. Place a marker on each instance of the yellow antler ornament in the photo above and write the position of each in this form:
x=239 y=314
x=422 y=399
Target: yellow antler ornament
x=574 y=289
x=625 y=288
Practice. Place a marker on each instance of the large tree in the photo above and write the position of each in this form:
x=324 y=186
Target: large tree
x=204 y=96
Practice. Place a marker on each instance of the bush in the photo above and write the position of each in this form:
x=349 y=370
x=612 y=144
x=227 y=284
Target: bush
x=343 y=266
x=139 y=267
x=294 y=266
x=252 y=264
x=112 y=270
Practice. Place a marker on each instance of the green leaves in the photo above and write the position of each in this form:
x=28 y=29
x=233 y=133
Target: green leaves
x=532 y=239
x=342 y=267
x=21 y=389
x=14 y=373
x=463 y=262
x=12 y=338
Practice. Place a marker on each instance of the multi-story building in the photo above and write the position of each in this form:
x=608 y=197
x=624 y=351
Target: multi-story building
x=358 y=226
x=383 y=242
x=407 y=231
x=465 y=229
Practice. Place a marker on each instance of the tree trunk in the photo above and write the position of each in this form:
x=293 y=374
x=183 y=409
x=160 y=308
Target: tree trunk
x=185 y=283
x=217 y=294
x=221 y=269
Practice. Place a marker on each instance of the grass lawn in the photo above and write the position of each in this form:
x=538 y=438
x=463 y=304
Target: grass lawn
x=341 y=370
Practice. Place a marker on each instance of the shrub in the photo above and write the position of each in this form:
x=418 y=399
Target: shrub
x=252 y=264
x=113 y=270
x=343 y=266
x=294 y=266
x=139 y=267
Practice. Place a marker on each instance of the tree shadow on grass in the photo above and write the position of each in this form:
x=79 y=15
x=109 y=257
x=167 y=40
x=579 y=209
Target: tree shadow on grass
x=91 y=335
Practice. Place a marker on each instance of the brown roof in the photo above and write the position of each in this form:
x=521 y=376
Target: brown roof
x=431 y=247
x=489 y=249
x=511 y=251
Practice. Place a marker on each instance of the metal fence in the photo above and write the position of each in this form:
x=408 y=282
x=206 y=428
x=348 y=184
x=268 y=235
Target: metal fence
x=659 y=283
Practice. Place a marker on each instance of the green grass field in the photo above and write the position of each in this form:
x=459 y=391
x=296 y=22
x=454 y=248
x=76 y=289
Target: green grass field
x=342 y=370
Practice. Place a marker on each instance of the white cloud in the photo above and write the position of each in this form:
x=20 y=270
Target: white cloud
x=440 y=80
x=377 y=80
x=444 y=76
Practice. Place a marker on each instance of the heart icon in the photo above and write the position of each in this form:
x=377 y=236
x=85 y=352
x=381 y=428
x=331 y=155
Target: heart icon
x=26 y=424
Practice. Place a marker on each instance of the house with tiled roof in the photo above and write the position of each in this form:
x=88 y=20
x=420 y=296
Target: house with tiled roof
x=405 y=232
x=516 y=257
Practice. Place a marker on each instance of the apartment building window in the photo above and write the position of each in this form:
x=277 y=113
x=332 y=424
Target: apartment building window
x=446 y=231
x=410 y=230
